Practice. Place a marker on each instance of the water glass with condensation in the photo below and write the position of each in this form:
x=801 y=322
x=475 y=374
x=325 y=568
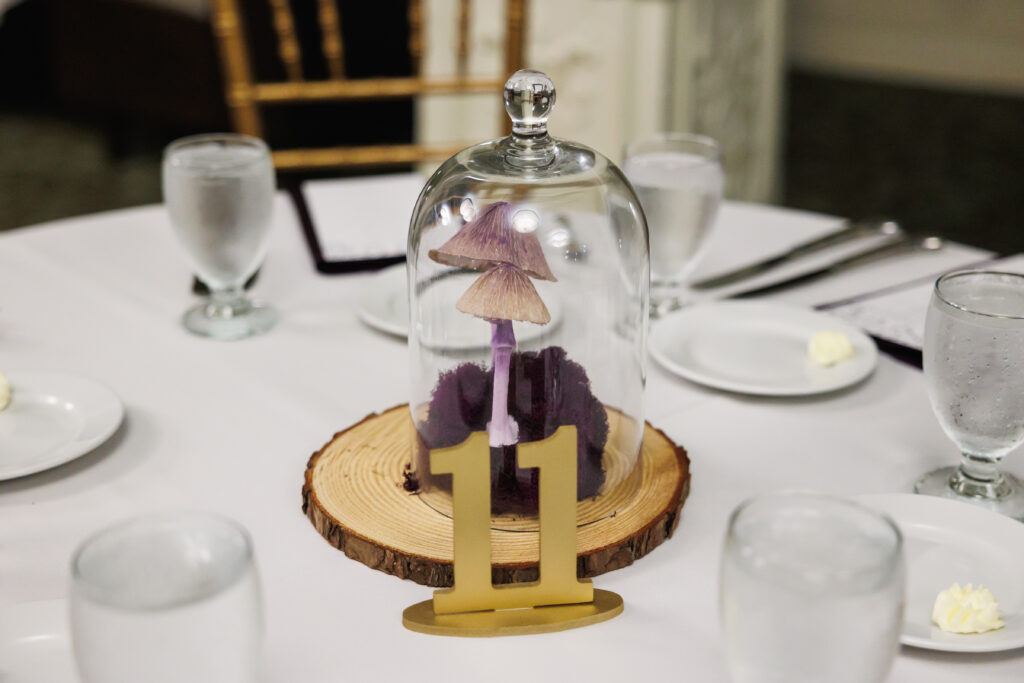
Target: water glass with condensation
x=219 y=193
x=679 y=180
x=812 y=590
x=974 y=371
x=165 y=599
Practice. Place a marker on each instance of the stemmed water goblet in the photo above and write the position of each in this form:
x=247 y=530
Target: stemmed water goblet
x=679 y=181
x=219 y=191
x=974 y=371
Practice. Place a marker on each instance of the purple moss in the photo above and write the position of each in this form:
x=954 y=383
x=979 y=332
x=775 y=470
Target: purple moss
x=546 y=391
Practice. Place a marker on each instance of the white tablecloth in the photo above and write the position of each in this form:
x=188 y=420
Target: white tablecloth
x=229 y=427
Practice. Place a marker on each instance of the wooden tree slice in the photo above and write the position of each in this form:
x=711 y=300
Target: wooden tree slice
x=354 y=497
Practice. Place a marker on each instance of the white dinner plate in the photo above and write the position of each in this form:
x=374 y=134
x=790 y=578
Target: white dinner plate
x=53 y=418
x=756 y=348
x=384 y=305
x=946 y=542
x=35 y=643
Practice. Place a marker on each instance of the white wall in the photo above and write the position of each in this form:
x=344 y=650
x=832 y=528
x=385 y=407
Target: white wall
x=963 y=44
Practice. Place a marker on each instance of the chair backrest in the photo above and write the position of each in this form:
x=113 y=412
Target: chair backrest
x=246 y=97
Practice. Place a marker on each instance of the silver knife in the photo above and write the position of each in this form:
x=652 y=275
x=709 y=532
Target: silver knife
x=900 y=244
x=851 y=232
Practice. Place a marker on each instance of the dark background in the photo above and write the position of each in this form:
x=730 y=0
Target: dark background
x=93 y=90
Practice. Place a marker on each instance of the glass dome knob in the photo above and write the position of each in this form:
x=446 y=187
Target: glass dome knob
x=529 y=99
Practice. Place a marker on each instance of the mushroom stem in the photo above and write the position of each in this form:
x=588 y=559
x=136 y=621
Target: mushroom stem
x=502 y=429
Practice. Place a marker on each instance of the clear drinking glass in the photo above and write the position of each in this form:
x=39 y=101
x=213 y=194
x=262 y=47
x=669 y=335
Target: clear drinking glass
x=167 y=598
x=678 y=178
x=974 y=370
x=219 y=190
x=811 y=590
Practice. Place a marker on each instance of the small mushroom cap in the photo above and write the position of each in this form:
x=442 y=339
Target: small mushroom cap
x=490 y=239
x=504 y=293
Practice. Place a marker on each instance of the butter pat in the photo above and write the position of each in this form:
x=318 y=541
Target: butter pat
x=5 y=392
x=967 y=610
x=828 y=348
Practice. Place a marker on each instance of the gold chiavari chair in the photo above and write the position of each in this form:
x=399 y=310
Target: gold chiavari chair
x=246 y=97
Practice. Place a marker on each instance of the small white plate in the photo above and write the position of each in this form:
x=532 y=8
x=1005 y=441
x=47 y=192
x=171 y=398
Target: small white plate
x=756 y=348
x=35 y=643
x=53 y=418
x=384 y=306
x=946 y=541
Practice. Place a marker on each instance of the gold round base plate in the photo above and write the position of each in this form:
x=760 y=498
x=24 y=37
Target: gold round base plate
x=512 y=622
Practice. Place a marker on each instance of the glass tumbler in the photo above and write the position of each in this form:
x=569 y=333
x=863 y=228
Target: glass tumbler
x=678 y=178
x=974 y=371
x=219 y=191
x=811 y=590
x=167 y=598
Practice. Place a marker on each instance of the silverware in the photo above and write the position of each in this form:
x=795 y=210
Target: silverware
x=900 y=244
x=851 y=232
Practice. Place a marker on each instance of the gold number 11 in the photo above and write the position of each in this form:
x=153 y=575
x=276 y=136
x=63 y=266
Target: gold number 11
x=469 y=463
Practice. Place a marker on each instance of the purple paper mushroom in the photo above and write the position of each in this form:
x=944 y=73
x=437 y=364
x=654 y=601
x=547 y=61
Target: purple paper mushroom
x=502 y=294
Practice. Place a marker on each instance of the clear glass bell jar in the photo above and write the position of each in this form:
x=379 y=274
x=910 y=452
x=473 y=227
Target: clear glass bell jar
x=528 y=275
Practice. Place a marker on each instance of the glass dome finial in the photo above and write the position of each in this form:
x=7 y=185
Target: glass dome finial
x=529 y=99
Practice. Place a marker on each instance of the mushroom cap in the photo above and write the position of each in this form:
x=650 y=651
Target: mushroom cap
x=504 y=293
x=490 y=239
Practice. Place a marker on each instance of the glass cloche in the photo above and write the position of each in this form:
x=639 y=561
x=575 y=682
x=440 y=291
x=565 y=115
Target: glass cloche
x=528 y=275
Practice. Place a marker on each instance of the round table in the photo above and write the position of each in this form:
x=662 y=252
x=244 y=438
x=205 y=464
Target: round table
x=102 y=296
